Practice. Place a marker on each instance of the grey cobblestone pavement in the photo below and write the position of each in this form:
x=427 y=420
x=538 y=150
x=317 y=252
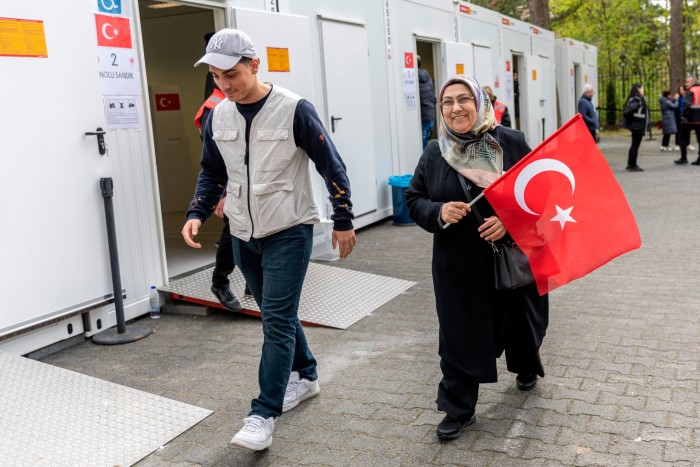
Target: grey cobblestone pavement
x=622 y=359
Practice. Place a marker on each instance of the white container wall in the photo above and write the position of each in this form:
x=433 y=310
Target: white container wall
x=577 y=65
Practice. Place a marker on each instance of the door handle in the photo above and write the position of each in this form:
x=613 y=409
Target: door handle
x=333 y=120
x=100 y=133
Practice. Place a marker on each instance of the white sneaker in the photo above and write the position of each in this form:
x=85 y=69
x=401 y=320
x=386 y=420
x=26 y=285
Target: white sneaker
x=691 y=147
x=665 y=148
x=256 y=433
x=676 y=148
x=298 y=390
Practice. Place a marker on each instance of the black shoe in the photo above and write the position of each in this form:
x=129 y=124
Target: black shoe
x=634 y=168
x=451 y=428
x=681 y=161
x=247 y=291
x=227 y=299
x=697 y=162
x=526 y=382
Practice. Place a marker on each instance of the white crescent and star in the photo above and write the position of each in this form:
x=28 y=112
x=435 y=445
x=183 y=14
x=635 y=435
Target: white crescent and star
x=529 y=172
x=104 y=31
x=164 y=102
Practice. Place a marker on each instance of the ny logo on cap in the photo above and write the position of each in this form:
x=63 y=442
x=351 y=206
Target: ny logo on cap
x=217 y=42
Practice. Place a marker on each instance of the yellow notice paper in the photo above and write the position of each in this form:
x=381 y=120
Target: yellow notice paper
x=459 y=68
x=22 y=38
x=277 y=59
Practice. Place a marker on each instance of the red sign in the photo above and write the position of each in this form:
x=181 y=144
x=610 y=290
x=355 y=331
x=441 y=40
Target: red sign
x=507 y=65
x=465 y=9
x=113 y=31
x=564 y=208
x=505 y=21
x=408 y=59
x=167 y=102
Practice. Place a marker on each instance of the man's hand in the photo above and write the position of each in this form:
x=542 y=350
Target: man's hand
x=346 y=240
x=219 y=210
x=190 y=230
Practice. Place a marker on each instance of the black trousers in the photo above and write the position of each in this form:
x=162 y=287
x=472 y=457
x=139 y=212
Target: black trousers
x=686 y=130
x=637 y=136
x=457 y=394
x=224 y=259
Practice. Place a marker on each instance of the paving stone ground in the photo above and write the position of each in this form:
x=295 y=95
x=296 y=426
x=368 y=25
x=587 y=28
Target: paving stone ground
x=622 y=357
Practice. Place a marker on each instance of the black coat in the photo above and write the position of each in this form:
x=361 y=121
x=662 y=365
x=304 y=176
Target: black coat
x=477 y=323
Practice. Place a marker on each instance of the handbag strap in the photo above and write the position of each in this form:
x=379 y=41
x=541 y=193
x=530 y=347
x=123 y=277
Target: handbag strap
x=475 y=210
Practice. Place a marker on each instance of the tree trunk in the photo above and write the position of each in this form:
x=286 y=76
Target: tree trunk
x=677 y=48
x=539 y=13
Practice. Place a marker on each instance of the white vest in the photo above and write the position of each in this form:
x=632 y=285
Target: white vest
x=273 y=192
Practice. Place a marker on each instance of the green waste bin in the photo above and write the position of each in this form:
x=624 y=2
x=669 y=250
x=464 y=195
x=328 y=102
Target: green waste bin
x=398 y=184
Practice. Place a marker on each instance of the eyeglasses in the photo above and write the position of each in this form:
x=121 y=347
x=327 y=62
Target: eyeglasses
x=462 y=101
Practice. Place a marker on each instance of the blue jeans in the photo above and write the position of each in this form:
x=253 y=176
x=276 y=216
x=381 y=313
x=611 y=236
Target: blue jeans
x=427 y=131
x=274 y=268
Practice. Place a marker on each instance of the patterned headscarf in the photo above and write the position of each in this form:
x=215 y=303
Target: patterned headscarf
x=475 y=154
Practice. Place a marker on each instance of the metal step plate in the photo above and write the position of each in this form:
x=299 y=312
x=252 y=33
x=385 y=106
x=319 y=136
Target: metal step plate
x=332 y=296
x=52 y=416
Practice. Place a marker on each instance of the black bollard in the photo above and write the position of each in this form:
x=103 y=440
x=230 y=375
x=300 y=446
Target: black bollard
x=122 y=334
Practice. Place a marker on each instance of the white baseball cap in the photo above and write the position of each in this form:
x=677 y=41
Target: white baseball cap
x=226 y=48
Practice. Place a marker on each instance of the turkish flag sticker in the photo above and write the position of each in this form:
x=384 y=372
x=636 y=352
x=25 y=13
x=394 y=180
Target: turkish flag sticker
x=167 y=102
x=113 y=31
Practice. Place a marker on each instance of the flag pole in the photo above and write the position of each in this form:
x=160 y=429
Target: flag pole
x=479 y=196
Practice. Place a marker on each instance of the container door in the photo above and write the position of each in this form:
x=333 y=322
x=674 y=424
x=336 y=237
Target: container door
x=349 y=107
x=457 y=59
x=532 y=101
x=483 y=68
x=53 y=243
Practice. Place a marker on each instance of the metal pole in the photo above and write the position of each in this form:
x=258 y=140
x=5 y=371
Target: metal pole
x=106 y=185
x=135 y=331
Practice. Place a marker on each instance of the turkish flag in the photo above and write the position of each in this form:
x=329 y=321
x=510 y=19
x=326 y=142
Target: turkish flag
x=564 y=208
x=113 y=31
x=167 y=101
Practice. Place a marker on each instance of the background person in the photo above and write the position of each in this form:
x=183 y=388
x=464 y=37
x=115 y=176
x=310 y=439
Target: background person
x=587 y=111
x=477 y=322
x=636 y=115
x=668 y=106
x=224 y=263
x=258 y=144
x=426 y=90
x=690 y=119
x=499 y=108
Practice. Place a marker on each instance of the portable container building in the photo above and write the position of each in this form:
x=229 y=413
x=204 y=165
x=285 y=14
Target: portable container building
x=577 y=66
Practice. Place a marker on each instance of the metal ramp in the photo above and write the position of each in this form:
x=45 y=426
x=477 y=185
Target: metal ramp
x=332 y=296
x=56 y=417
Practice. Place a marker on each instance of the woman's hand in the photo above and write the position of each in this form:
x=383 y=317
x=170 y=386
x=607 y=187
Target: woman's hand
x=492 y=229
x=454 y=211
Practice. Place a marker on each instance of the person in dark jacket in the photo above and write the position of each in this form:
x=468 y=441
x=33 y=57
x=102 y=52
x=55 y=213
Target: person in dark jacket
x=477 y=322
x=690 y=119
x=668 y=106
x=636 y=114
x=426 y=90
x=587 y=111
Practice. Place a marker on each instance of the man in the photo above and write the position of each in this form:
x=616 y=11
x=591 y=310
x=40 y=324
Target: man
x=587 y=111
x=690 y=119
x=426 y=90
x=500 y=110
x=257 y=146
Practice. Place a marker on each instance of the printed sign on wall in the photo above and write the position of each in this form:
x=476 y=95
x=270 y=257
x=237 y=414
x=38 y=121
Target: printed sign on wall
x=22 y=38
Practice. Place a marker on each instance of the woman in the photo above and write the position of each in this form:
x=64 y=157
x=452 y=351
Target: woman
x=636 y=114
x=668 y=108
x=477 y=323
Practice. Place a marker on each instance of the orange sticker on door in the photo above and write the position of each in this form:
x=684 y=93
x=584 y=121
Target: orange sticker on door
x=278 y=60
x=459 y=68
x=22 y=38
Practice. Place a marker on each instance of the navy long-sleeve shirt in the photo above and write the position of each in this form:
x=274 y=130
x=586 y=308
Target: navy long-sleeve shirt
x=309 y=135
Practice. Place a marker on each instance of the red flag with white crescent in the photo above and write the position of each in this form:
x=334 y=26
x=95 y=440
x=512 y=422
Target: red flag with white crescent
x=564 y=208
x=113 y=31
x=169 y=101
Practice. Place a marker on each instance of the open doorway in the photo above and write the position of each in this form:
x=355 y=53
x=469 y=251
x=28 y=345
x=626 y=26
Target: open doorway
x=426 y=59
x=517 y=94
x=173 y=40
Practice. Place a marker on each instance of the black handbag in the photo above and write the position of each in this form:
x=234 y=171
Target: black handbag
x=511 y=267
